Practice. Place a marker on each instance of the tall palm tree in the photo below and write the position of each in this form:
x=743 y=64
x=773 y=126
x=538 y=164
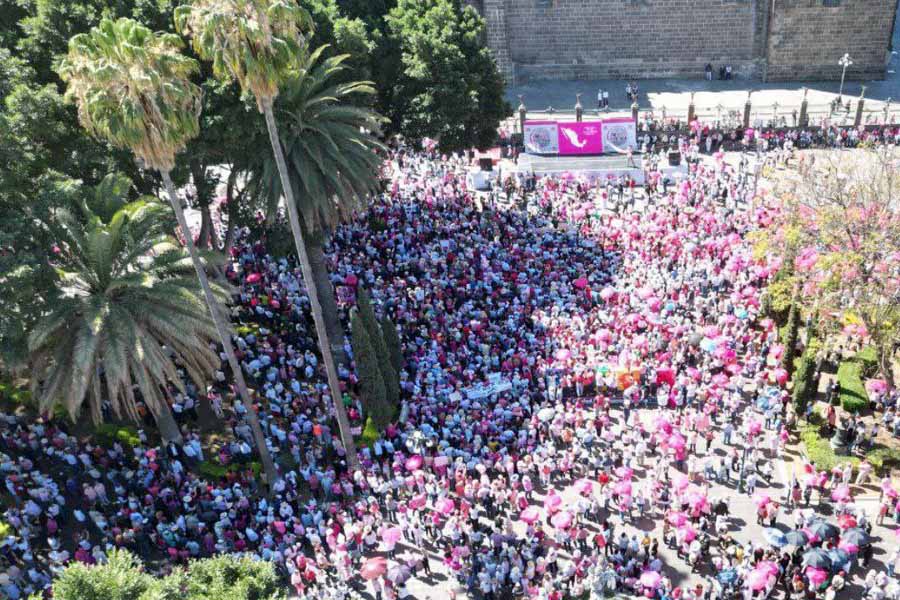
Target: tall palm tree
x=127 y=311
x=132 y=88
x=259 y=43
x=332 y=159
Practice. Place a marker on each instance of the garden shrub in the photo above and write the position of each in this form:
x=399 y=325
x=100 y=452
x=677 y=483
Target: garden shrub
x=883 y=459
x=109 y=433
x=852 y=393
x=818 y=448
x=214 y=470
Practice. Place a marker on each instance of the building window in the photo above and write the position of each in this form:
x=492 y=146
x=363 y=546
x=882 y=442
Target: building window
x=831 y=2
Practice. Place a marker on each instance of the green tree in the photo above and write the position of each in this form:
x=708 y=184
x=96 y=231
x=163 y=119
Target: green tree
x=372 y=386
x=132 y=88
x=124 y=303
x=224 y=577
x=121 y=578
x=392 y=339
x=258 y=44
x=805 y=381
x=791 y=337
x=382 y=354
x=332 y=162
x=449 y=87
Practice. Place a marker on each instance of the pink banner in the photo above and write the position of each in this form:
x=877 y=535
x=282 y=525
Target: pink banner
x=580 y=138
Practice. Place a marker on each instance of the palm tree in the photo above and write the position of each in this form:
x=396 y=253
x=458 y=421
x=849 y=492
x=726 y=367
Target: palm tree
x=127 y=311
x=259 y=43
x=332 y=161
x=132 y=88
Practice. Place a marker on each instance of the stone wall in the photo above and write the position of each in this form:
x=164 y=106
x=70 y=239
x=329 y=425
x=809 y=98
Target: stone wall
x=594 y=39
x=807 y=38
x=622 y=39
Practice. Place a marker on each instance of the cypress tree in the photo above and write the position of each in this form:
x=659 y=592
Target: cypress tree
x=388 y=372
x=392 y=340
x=372 y=387
x=792 y=332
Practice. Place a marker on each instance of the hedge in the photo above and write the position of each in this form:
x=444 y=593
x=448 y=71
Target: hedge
x=369 y=434
x=853 y=394
x=107 y=434
x=214 y=470
x=883 y=459
x=818 y=448
x=868 y=358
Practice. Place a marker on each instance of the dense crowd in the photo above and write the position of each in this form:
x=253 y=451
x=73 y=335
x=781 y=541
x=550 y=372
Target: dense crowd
x=578 y=360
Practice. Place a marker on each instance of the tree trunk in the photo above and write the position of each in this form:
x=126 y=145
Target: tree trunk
x=886 y=362
x=206 y=416
x=224 y=330
x=204 y=240
x=198 y=175
x=322 y=278
x=168 y=428
x=312 y=291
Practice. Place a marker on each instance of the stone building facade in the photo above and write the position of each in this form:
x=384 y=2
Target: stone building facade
x=620 y=39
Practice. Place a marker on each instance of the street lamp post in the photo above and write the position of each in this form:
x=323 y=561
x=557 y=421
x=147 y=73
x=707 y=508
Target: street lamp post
x=845 y=62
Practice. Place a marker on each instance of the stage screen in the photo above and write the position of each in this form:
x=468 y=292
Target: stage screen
x=571 y=138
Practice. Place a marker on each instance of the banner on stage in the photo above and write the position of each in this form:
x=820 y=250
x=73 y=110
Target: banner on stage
x=572 y=138
x=541 y=137
x=580 y=138
x=619 y=135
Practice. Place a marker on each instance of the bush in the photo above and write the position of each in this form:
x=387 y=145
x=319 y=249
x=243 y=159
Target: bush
x=369 y=434
x=14 y=395
x=215 y=471
x=883 y=459
x=819 y=450
x=108 y=433
x=852 y=393
x=868 y=358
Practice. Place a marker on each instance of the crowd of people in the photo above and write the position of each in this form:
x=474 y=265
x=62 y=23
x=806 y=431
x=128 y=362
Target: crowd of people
x=576 y=369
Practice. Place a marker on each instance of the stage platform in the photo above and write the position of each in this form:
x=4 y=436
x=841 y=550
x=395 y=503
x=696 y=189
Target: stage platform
x=593 y=167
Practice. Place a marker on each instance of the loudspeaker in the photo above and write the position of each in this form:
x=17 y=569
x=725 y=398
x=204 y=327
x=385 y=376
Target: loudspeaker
x=674 y=158
x=485 y=164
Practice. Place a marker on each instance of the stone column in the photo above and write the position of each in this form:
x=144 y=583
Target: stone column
x=498 y=38
x=692 y=114
x=804 y=108
x=579 y=110
x=860 y=104
x=523 y=113
x=747 y=107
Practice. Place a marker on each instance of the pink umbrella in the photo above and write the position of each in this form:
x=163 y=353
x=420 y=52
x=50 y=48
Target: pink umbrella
x=816 y=576
x=584 y=487
x=623 y=488
x=253 y=277
x=846 y=521
x=849 y=547
x=757 y=580
x=677 y=519
x=689 y=533
x=755 y=427
x=441 y=461
x=391 y=535
x=650 y=579
x=562 y=520
x=676 y=441
x=720 y=379
x=552 y=502
x=373 y=568
x=562 y=354
x=530 y=515
x=445 y=506
x=762 y=499
x=841 y=493
x=767 y=566
x=877 y=386
x=624 y=473
x=413 y=463
x=780 y=375
x=680 y=481
x=418 y=501
x=607 y=293
x=581 y=283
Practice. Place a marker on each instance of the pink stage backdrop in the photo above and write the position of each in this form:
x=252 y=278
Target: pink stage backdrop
x=580 y=138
